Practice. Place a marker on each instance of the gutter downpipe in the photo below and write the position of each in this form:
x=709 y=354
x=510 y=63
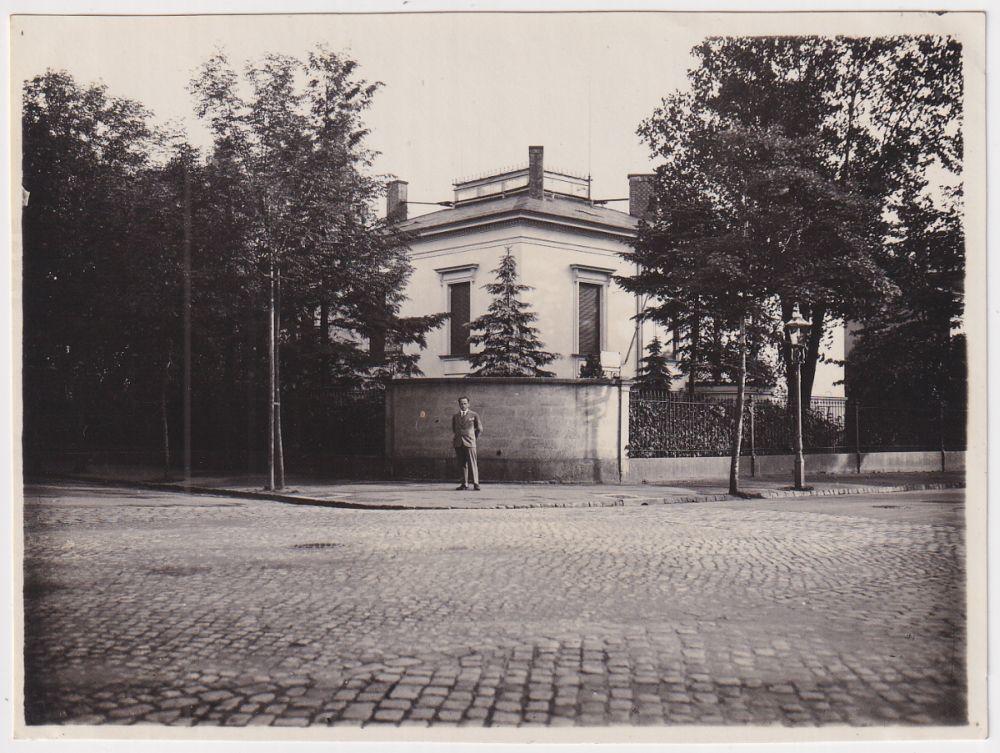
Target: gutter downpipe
x=638 y=330
x=621 y=449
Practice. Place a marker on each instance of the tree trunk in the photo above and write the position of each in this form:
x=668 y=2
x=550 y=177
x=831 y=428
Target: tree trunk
x=271 y=382
x=693 y=354
x=324 y=345
x=276 y=462
x=82 y=455
x=817 y=313
x=741 y=383
x=279 y=449
x=165 y=421
x=232 y=400
x=812 y=353
x=715 y=355
x=186 y=397
x=253 y=394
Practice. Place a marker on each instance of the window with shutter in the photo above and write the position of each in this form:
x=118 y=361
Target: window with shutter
x=589 y=319
x=459 y=308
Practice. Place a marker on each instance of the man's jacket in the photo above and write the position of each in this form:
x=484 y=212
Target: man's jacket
x=465 y=429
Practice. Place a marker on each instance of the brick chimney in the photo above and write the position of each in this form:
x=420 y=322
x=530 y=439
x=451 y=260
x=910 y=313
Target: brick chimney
x=640 y=192
x=536 y=172
x=395 y=201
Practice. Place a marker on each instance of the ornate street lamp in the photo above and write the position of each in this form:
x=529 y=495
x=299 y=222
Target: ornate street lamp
x=798 y=332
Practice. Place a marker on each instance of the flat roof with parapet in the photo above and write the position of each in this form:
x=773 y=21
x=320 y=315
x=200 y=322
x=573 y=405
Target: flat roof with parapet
x=514 y=180
x=553 y=209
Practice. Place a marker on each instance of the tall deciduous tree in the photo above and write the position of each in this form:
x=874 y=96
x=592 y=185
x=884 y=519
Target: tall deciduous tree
x=154 y=293
x=289 y=149
x=879 y=112
x=914 y=353
x=509 y=340
x=98 y=268
x=742 y=216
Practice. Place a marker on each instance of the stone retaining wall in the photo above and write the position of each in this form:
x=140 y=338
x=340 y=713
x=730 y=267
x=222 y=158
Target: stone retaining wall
x=567 y=430
x=656 y=470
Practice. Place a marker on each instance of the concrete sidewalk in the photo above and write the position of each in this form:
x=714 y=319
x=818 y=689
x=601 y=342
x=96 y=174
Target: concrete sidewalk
x=425 y=495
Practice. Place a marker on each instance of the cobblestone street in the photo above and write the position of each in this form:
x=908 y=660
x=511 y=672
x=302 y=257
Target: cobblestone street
x=149 y=607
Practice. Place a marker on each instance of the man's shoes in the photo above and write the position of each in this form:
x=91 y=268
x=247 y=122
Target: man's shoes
x=462 y=488
x=475 y=488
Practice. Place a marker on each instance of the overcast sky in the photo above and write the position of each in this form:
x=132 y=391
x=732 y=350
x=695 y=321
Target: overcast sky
x=464 y=94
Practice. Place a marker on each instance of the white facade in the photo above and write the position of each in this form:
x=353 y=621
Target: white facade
x=553 y=260
x=831 y=370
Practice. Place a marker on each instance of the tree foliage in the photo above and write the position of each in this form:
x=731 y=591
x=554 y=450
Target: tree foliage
x=509 y=340
x=914 y=353
x=297 y=175
x=654 y=371
x=708 y=352
x=145 y=263
x=93 y=229
x=856 y=125
x=745 y=221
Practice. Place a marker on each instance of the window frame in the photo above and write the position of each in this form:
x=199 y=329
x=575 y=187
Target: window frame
x=598 y=290
x=601 y=277
x=448 y=276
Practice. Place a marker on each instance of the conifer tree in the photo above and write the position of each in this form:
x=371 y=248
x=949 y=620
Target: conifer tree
x=654 y=373
x=510 y=344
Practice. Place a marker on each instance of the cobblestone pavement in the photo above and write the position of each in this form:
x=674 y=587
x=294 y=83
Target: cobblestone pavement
x=145 y=607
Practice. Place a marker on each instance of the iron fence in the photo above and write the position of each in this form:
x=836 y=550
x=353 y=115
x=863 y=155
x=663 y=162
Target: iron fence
x=890 y=428
x=674 y=425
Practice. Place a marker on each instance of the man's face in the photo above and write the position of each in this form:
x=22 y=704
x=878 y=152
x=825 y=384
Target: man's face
x=463 y=404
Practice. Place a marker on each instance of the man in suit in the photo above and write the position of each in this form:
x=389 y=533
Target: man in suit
x=466 y=426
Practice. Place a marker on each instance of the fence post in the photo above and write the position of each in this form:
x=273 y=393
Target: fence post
x=941 y=432
x=389 y=413
x=624 y=413
x=857 y=436
x=753 y=444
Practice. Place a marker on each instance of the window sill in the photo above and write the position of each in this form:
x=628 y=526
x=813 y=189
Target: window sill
x=454 y=358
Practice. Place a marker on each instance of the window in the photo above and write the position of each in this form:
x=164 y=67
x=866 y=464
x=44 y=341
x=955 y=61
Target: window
x=589 y=319
x=456 y=299
x=458 y=307
x=590 y=290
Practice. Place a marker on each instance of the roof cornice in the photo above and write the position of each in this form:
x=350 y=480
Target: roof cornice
x=520 y=214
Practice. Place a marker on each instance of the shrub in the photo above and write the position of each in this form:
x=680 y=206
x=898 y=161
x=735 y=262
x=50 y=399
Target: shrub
x=681 y=428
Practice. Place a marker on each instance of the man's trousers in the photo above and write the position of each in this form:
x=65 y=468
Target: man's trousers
x=467 y=459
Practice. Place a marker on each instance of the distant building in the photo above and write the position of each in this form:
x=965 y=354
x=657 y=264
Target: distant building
x=568 y=248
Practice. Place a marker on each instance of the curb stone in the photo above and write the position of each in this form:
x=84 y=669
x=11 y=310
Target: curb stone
x=846 y=491
x=613 y=502
x=236 y=493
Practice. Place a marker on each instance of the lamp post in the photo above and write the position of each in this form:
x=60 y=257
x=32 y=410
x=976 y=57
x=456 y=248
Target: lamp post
x=798 y=329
